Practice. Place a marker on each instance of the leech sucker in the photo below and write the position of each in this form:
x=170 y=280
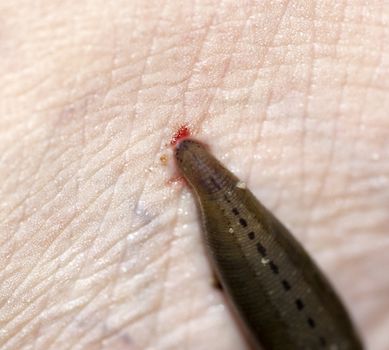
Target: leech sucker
x=275 y=288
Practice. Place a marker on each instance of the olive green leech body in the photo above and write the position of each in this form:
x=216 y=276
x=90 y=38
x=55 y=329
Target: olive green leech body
x=277 y=291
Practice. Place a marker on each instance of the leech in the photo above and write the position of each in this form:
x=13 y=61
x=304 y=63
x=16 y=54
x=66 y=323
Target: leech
x=276 y=290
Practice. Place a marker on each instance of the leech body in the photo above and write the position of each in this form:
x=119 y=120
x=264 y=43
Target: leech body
x=275 y=288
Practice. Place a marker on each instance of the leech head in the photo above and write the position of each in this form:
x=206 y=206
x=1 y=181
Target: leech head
x=203 y=171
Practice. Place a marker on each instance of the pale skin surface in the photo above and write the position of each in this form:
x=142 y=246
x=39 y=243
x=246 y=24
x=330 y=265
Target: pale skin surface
x=98 y=249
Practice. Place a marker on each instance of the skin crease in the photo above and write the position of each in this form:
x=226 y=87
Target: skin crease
x=98 y=249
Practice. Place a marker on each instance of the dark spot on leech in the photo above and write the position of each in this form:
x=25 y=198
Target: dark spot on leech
x=261 y=249
x=299 y=304
x=322 y=341
x=226 y=199
x=251 y=235
x=215 y=183
x=311 y=322
x=273 y=267
x=243 y=222
x=286 y=285
x=235 y=211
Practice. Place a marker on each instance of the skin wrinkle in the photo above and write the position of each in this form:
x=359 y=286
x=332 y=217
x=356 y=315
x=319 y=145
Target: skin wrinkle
x=102 y=253
x=201 y=116
x=143 y=71
x=191 y=312
x=38 y=287
x=306 y=103
x=364 y=104
x=154 y=308
x=227 y=64
x=326 y=173
x=71 y=219
x=111 y=246
x=93 y=241
x=195 y=62
x=21 y=285
x=18 y=181
x=22 y=325
x=36 y=171
x=165 y=272
x=256 y=76
x=86 y=305
x=70 y=323
x=247 y=22
x=65 y=313
x=31 y=194
x=162 y=295
x=184 y=327
x=161 y=303
x=124 y=325
x=30 y=300
x=83 y=229
x=113 y=51
x=269 y=93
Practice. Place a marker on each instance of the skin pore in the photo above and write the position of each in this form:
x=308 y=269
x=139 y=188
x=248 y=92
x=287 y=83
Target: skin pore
x=99 y=249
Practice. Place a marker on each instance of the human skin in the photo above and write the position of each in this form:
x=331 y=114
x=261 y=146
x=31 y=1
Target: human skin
x=99 y=247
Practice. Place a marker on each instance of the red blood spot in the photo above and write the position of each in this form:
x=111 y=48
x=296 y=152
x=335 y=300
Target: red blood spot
x=182 y=133
x=177 y=179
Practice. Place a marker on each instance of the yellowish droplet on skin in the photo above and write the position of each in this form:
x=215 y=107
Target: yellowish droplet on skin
x=163 y=159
